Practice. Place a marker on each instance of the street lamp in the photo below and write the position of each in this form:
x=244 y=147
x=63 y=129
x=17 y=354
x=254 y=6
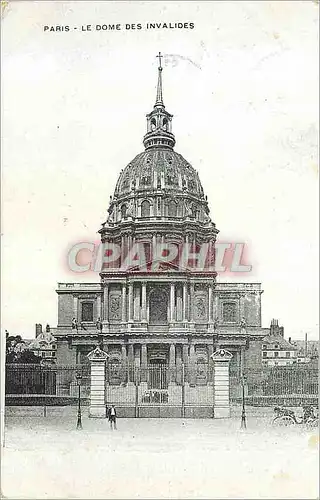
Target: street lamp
x=243 y=414
x=79 y=422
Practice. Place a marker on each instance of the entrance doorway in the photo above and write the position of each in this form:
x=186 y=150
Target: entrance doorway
x=158 y=374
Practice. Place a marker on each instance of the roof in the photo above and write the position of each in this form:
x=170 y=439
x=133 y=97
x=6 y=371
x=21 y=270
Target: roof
x=273 y=340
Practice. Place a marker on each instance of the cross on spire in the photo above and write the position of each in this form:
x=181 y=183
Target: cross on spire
x=159 y=98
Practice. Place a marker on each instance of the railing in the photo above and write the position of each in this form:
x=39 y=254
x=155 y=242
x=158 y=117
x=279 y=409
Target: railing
x=42 y=380
x=280 y=385
x=162 y=384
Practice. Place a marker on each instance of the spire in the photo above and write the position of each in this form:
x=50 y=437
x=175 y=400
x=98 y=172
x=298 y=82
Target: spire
x=159 y=121
x=159 y=98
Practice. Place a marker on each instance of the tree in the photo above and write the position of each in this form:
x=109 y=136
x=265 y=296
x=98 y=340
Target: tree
x=17 y=351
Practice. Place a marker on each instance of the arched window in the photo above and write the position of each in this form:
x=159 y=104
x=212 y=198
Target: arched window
x=194 y=210
x=172 y=209
x=153 y=124
x=123 y=211
x=145 y=208
x=165 y=124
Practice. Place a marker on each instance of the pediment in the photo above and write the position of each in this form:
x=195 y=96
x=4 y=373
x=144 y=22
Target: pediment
x=97 y=355
x=221 y=355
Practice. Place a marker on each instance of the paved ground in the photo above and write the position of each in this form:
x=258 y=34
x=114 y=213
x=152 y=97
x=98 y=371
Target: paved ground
x=151 y=458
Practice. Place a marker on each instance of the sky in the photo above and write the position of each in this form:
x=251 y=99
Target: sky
x=243 y=88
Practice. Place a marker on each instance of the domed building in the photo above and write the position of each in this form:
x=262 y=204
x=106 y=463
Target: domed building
x=160 y=319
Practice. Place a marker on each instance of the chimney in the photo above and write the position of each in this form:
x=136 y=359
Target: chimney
x=274 y=327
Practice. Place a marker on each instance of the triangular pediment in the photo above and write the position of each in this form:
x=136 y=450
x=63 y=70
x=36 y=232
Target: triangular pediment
x=97 y=355
x=221 y=355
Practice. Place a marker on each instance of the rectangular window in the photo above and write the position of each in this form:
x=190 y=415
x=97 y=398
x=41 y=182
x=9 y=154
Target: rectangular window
x=229 y=312
x=264 y=354
x=287 y=354
x=87 y=311
x=276 y=354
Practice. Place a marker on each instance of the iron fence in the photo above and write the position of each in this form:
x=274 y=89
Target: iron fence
x=276 y=385
x=162 y=385
x=31 y=381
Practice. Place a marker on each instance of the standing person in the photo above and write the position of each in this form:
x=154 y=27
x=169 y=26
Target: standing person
x=74 y=324
x=112 y=414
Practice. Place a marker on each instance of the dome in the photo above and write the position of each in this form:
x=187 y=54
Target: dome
x=156 y=169
x=158 y=185
x=158 y=182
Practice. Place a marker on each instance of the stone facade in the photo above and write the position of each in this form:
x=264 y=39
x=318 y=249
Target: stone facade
x=165 y=314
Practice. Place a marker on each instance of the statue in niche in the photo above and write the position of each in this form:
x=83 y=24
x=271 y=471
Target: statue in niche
x=130 y=209
x=115 y=307
x=200 y=308
x=215 y=323
x=188 y=208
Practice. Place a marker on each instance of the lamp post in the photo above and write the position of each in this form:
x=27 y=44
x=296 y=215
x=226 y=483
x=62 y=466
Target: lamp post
x=79 y=422
x=243 y=414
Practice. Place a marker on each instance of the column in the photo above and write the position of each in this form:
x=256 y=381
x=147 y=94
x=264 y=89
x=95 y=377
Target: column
x=97 y=359
x=144 y=361
x=242 y=309
x=191 y=303
x=106 y=303
x=215 y=309
x=221 y=403
x=130 y=363
x=172 y=355
x=210 y=319
x=75 y=307
x=122 y=251
x=123 y=314
x=172 y=362
x=210 y=371
x=130 y=303
x=144 y=358
x=129 y=243
x=144 y=302
x=124 y=364
x=172 y=301
x=184 y=303
x=136 y=303
x=192 y=366
x=179 y=307
x=99 y=306
x=210 y=260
